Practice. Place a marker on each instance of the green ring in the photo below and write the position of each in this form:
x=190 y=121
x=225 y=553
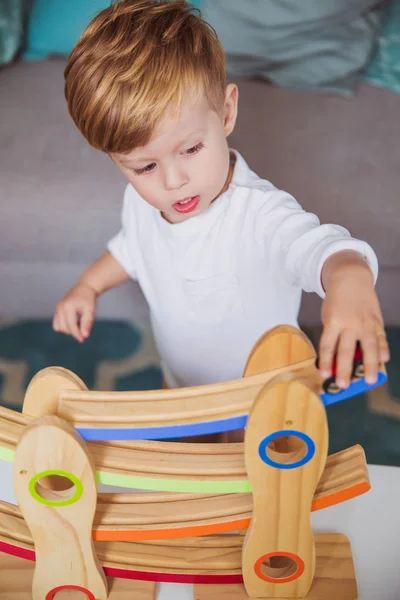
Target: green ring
x=77 y=482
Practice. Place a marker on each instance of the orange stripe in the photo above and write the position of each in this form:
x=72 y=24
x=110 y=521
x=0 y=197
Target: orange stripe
x=342 y=496
x=104 y=535
x=164 y=534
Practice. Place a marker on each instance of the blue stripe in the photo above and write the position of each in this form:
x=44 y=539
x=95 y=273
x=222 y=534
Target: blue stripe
x=357 y=387
x=163 y=433
x=208 y=427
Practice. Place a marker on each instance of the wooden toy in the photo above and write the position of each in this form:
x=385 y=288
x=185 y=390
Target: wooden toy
x=233 y=519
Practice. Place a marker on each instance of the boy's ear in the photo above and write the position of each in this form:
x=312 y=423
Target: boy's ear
x=230 y=108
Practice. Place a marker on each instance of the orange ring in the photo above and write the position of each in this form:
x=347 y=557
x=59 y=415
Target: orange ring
x=78 y=588
x=298 y=573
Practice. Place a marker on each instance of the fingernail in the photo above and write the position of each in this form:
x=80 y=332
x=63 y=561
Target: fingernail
x=325 y=373
x=371 y=380
x=341 y=383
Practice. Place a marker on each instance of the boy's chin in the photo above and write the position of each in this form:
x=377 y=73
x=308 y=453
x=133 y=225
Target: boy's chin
x=174 y=217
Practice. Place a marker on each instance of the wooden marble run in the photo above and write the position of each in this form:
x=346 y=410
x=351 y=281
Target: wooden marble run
x=232 y=519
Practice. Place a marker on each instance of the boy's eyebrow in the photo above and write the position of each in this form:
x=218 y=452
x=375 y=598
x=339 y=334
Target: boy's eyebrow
x=146 y=159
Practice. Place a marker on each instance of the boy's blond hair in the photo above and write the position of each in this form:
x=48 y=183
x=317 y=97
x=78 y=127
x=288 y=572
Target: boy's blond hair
x=136 y=59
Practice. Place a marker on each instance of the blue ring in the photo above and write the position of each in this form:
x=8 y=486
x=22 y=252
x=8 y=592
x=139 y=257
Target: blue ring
x=262 y=450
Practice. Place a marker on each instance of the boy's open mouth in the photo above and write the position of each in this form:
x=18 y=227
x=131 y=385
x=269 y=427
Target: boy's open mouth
x=187 y=205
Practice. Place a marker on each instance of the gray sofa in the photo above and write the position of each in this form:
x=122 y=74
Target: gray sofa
x=60 y=200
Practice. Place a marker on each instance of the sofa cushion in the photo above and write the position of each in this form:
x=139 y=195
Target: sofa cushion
x=60 y=200
x=338 y=156
x=300 y=44
x=384 y=70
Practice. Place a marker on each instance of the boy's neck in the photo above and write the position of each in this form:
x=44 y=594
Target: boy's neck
x=232 y=162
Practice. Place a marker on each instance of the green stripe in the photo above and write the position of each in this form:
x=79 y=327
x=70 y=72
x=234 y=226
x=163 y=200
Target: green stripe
x=160 y=485
x=6 y=454
x=171 y=485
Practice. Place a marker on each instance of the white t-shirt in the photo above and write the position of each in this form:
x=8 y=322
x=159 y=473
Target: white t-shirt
x=216 y=282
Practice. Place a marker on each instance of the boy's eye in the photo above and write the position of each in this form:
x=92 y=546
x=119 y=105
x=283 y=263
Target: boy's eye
x=146 y=169
x=194 y=149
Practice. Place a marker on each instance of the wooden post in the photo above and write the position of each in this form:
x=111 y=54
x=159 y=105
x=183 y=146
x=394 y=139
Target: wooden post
x=54 y=481
x=279 y=347
x=286 y=448
x=42 y=395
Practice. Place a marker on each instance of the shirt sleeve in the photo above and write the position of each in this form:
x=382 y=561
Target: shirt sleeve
x=300 y=245
x=121 y=244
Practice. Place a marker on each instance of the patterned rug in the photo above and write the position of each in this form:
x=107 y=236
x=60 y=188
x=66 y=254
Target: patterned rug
x=120 y=356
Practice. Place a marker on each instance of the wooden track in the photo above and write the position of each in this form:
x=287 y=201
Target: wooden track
x=157 y=408
x=334 y=578
x=150 y=516
x=176 y=413
x=163 y=414
x=210 y=560
x=166 y=466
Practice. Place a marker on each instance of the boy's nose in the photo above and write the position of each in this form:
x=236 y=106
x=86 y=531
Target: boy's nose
x=175 y=178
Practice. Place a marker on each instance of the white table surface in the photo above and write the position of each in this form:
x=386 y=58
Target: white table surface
x=371 y=522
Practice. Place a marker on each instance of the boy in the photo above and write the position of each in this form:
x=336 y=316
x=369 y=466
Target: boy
x=221 y=255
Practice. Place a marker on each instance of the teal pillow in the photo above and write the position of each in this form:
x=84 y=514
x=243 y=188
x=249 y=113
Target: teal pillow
x=384 y=70
x=56 y=25
x=11 y=28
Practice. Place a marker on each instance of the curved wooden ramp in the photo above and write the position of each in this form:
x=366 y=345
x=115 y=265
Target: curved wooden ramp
x=154 y=516
x=179 y=467
x=195 y=561
x=177 y=413
x=334 y=578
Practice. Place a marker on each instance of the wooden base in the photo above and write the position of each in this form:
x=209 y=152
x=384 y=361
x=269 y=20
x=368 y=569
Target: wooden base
x=334 y=575
x=16 y=576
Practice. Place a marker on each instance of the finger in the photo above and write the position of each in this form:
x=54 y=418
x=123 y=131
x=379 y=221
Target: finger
x=55 y=324
x=327 y=349
x=370 y=348
x=86 y=323
x=57 y=319
x=345 y=359
x=384 y=350
x=62 y=323
x=73 y=327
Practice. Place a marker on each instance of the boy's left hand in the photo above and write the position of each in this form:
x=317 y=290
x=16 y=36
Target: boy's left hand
x=351 y=313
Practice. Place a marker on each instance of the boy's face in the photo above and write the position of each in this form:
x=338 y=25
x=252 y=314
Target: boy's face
x=185 y=166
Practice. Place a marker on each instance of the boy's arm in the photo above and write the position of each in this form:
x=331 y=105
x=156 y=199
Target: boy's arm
x=104 y=274
x=325 y=259
x=75 y=312
x=350 y=312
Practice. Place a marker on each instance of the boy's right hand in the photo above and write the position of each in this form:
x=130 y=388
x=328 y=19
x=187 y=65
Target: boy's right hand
x=75 y=312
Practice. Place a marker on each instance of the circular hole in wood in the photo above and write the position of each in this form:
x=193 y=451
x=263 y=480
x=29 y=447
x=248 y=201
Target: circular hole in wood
x=286 y=449
x=71 y=595
x=70 y=592
x=279 y=567
x=55 y=486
